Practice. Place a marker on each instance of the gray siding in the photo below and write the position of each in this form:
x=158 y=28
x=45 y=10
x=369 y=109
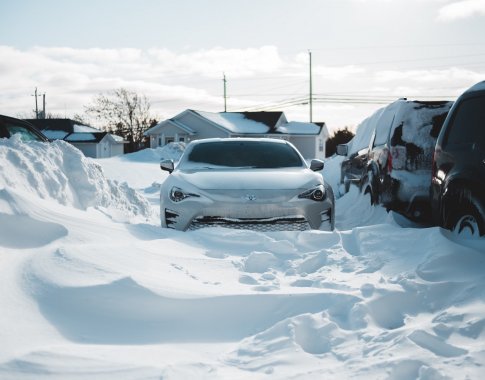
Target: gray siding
x=306 y=145
x=117 y=149
x=88 y=149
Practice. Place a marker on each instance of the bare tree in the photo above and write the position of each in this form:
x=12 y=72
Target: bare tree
x=125 y=113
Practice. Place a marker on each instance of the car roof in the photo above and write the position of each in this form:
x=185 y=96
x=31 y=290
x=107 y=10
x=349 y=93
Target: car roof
x=480 y=86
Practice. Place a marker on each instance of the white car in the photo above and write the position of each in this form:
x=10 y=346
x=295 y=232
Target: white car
x=243 y=183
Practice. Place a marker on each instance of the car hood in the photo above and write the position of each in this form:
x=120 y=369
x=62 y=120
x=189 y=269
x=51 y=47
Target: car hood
x=284 y=179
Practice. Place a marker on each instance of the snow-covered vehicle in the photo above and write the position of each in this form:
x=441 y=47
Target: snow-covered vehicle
x=244 y=183
x=398 y=170
x=356 y=152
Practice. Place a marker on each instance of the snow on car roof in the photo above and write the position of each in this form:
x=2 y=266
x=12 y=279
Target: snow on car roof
x=364 y=132
x=417 y=120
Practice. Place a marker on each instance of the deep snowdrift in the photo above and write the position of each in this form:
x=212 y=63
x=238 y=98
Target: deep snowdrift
x=85 y=296
x=60 y=172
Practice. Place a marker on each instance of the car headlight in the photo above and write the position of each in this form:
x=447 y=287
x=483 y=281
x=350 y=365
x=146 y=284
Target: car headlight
x=315 y=194
x=177 y=194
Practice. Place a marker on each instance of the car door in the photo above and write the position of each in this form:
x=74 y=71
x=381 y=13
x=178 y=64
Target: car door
x=463 y=153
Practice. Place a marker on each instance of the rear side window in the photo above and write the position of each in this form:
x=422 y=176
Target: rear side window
x=468 y=123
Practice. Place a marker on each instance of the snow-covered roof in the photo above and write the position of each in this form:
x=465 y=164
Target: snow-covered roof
x=235 y=122
x=81 y=137
x=246 y=123
x=238 y=123
x=80 y=128
x=299 y=128
x=54 y=135
x=117 y=138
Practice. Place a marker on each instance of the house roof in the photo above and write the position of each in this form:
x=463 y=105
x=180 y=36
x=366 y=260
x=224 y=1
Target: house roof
x=299 y=128
x=85 y=137
x=247 y=123
x=235 y=122
x=268 y=118
x=66 y=125
x=71 y=131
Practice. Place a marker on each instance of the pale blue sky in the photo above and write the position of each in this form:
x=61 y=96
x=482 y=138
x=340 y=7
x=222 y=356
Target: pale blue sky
x=381 y=47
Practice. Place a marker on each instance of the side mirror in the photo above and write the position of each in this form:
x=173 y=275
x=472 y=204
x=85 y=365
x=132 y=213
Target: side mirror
x=316 y=165
x=342 y=149
x=167 y=165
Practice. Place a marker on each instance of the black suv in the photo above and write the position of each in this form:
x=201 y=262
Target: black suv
x=458 y=180
x=395 y=168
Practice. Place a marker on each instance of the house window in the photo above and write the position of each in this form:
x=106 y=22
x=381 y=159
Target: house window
x=182 y=139
x=169 y=140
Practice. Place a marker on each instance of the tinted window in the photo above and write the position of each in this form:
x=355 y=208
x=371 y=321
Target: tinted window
x=254 y=154
x=9 y=128
x=468 y=123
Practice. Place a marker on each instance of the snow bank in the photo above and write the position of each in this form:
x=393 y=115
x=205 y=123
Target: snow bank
x=60 y=172
x=84 y=297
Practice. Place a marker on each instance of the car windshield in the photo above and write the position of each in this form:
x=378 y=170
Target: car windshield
x=252 y=154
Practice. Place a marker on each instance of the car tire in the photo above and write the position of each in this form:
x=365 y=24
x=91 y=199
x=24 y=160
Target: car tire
x=464 y=219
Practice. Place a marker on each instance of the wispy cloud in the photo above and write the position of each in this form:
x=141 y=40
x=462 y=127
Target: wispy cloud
x=461 y=9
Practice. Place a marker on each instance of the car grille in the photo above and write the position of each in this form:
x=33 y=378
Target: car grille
x=262 y=225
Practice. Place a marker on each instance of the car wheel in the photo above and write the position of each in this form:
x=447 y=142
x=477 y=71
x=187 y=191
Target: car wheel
x=465 y=220
x=369 y=188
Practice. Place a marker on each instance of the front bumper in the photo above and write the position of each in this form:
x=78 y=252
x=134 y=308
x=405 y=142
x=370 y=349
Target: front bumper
x=268 y=212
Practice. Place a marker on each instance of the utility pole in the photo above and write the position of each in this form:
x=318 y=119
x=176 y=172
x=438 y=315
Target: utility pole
x=36 y=105
x=311 y=88
x=43 y=105
x=225 y=94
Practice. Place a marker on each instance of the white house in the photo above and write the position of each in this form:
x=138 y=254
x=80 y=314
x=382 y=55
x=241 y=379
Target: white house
x=91 y=141
x=190 y=125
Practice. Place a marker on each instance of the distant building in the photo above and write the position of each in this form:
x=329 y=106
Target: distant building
x=91 y=141
x=190 y=125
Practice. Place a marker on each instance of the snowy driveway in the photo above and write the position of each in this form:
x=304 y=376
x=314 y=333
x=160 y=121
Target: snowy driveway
x=98 y=290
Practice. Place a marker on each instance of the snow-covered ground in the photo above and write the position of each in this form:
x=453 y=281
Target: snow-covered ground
x=91 y=287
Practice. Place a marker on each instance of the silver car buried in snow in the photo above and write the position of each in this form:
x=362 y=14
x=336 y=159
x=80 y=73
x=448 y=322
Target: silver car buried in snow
x=242 y=183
